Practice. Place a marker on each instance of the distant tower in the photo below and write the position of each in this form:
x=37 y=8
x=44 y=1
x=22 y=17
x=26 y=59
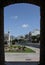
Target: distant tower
x=8 y=38
x=30 y=36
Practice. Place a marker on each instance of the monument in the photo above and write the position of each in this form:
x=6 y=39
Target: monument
x=30 y=36
x=8 y=38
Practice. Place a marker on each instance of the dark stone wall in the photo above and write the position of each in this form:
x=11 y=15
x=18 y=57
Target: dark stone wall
x=42 y=34
x=1 y=36
x=4 y=3
x=9 y=2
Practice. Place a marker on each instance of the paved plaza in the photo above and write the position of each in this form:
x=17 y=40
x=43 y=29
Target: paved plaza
x=23 y=56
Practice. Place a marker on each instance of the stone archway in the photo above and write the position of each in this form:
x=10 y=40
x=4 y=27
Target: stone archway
x=9 y=2
x=42 y=26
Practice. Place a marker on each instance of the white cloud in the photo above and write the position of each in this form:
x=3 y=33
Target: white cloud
x=25 y=25
x=14 y=17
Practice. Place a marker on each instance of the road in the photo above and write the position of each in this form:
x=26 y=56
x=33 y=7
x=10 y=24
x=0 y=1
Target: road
x=37 y=45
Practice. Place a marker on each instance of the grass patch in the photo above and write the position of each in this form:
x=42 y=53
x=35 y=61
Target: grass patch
x=26 y=50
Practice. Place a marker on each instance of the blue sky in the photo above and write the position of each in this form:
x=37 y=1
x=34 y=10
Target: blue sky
x=21 y=18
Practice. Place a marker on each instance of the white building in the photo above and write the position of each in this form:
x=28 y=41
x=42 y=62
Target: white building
x=35 y=32
x=8 y=38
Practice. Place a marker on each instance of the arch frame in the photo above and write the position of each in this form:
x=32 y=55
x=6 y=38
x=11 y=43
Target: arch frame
x=9 y=2
x=41 y=4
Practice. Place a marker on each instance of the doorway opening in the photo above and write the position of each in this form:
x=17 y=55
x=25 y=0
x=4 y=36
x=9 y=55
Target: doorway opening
x=22 y=31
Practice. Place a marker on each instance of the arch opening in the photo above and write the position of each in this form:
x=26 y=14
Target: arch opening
x=16 y=18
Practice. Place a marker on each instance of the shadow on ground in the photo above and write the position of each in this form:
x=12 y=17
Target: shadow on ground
x=21 y=63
